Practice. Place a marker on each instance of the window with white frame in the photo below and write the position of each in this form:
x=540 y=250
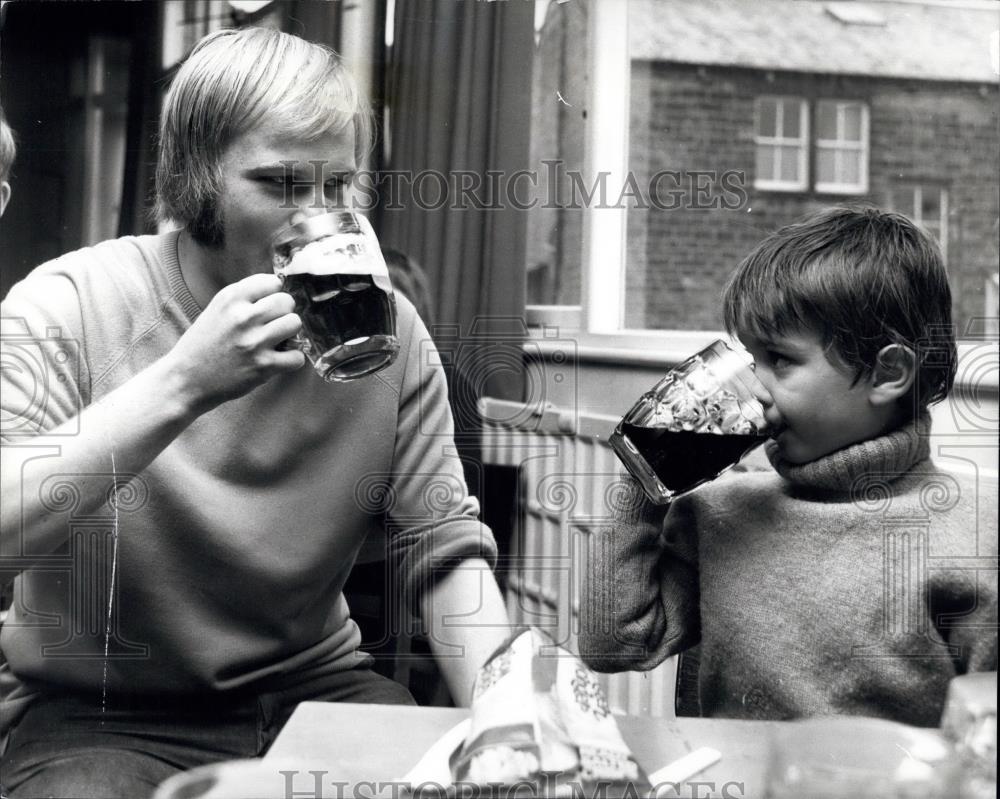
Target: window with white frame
x=841 y=147
x=782 y=141
x=927 y=205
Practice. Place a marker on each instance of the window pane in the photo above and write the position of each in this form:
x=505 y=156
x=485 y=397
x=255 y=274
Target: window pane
x=790 y=164
x=826 y=121
x=765 y=162
x=930 y=206
x=850 y=166
x=826 y=169
x=852 y=122
x=790 y=126
x=767 y=112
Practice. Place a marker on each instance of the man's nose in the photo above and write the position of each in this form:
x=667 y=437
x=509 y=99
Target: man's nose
x=313 y=199
x=315 y=204
x=306 y=210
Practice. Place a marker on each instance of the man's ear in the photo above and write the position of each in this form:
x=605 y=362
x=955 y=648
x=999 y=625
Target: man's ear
x=4 y=195
x=894 y=373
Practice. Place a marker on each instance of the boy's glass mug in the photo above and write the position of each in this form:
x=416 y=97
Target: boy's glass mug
x=693 y=425
x=333 y=266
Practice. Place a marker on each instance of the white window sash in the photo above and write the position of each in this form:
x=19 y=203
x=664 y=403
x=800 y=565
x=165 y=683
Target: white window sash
x=801 y=144
x=606 y=153
x=602 y=330
x=841 y=147
x=908 y=199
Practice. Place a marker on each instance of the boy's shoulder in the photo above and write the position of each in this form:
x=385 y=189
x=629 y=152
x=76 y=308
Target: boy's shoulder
x=940 y=487
x=927 y=490
x=752 y=482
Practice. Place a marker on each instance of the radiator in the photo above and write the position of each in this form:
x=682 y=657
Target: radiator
x=566 y=471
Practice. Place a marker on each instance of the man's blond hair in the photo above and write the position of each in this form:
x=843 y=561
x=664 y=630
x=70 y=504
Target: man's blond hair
x=235 y=81
x=8 y=149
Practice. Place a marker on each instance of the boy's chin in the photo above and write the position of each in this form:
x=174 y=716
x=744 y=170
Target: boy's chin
x=799 y=453
x=796 y=452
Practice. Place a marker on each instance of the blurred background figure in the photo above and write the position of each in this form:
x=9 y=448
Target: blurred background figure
x=410 y=280
x=8 y=150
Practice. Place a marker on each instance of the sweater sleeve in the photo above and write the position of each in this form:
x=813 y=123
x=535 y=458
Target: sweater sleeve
x=639 y=603
x=434 y=521
x=963 y=606
x=45 y=380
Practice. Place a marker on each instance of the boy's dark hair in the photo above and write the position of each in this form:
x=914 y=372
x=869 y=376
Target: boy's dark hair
x=861 y=278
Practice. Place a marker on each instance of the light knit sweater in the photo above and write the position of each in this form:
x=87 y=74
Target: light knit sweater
x=858 y=584
x=234 y=544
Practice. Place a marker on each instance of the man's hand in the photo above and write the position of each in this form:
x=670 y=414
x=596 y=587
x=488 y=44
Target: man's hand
x=231 y=347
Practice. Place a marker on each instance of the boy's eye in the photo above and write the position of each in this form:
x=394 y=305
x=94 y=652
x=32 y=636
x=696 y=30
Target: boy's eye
x=777 y=359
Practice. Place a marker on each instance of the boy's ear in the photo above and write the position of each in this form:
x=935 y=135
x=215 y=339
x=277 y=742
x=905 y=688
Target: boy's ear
x=4 y=195
x=894 y=373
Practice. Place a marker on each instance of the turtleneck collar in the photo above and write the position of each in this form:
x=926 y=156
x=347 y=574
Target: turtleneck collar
x=889 y=456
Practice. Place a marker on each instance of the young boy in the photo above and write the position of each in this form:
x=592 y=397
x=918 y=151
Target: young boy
x=855 y=577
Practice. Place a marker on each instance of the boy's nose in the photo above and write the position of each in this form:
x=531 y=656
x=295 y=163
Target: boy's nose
x=757 y=386
x=766 y=399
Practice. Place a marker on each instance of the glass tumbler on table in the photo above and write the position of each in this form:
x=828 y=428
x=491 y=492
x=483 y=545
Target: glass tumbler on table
x=333 y=267
x=694 y=424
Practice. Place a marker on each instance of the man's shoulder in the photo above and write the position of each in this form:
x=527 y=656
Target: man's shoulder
x=125 y=269
x=119 y=257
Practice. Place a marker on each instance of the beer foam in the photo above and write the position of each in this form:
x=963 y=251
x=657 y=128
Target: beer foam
x=338 y=254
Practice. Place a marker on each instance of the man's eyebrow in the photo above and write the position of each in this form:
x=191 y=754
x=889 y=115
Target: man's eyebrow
x=303 y=171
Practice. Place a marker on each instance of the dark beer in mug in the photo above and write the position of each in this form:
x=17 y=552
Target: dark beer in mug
x=333 y=267
x=679 y=460
x=693 y=425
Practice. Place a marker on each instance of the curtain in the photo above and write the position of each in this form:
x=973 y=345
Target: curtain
x=459 y=99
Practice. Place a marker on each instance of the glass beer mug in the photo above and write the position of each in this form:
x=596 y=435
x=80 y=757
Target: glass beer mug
x=333 y=266
x=694 y=424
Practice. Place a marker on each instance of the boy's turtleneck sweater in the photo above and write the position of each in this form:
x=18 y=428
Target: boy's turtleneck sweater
x=857 y=584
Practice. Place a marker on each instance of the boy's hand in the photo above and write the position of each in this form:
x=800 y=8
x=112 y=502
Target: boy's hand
x=231 y=347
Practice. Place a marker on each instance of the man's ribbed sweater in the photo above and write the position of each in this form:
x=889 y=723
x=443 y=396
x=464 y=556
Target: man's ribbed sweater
x=857 y=584
x=235 y=542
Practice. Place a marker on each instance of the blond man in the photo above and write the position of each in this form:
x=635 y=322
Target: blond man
x=252 y=473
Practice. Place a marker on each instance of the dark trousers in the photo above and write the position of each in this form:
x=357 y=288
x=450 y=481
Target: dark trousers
x=67 y=745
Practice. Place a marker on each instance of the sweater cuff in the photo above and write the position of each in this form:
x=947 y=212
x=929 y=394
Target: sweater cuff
x=426 y=554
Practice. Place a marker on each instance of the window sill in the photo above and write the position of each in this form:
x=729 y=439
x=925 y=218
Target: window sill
x=647 y=348
x=780 y=188
x=840 y=189
x=977 y=360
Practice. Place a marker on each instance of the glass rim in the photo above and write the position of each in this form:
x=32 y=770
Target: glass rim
x=315 y=227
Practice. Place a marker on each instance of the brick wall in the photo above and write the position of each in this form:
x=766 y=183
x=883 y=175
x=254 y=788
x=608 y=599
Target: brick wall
x=690 y=119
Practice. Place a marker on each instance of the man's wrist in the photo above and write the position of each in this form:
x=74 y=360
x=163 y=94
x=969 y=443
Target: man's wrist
x=181 y=400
